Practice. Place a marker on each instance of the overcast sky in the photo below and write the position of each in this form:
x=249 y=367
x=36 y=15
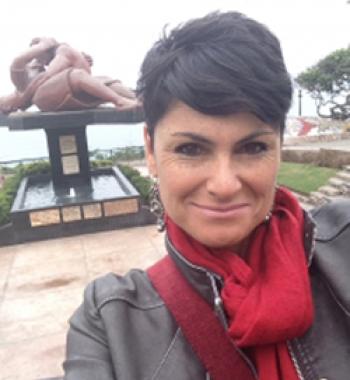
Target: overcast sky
x=119 y=33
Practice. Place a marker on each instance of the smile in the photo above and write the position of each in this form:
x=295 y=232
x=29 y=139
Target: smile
x=222 y=211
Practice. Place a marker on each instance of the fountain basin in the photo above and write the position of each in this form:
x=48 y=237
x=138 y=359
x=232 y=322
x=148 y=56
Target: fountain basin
x=41 y=210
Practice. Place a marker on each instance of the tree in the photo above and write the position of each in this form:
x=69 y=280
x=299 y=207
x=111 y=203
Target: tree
x=328 y=82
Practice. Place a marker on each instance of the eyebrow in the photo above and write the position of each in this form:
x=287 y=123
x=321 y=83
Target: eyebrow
x=199 y=138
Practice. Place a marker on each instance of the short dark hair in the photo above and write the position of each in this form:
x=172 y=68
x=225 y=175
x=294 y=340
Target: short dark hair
x=219 y=64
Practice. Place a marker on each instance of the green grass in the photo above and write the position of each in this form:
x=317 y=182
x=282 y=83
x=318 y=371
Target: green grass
x=304 y=178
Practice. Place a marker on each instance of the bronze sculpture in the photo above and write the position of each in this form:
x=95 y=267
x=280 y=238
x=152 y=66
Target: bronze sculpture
x=56 y=77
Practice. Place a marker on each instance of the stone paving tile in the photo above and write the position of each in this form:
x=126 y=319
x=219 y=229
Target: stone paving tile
x=121 y=261
x=33 y=359
x=7 y=256
x=33 y=317
x=111 y=240
x=24 y=283
x=42 y=284
x=156 y=238
x=43 y=266
x=126 y=249
x=34 y=254
x=18 y=331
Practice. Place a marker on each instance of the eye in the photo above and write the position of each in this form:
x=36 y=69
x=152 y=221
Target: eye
x=254 y=147
x=189 y=149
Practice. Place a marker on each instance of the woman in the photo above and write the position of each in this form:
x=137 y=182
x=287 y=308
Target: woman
x=55 y=77
x=215 y=93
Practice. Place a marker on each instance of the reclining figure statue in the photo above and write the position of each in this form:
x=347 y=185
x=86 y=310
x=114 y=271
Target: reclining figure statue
x=55 y=77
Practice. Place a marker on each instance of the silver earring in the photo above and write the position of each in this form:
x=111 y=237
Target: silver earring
x=268 y=216
x=156 y=206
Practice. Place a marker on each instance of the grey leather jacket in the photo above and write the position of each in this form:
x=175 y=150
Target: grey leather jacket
x=124 y=331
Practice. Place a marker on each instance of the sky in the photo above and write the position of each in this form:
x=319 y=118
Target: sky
x=118 y=33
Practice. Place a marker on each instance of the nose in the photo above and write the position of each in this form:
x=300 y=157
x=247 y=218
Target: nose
x=223 y=179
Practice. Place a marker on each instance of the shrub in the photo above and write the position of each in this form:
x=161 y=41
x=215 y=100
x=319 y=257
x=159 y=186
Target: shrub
x=40 y=167
x=142 y=184
x=7 y=195
x=95 y=164
x=7 y=170
x=9 y=189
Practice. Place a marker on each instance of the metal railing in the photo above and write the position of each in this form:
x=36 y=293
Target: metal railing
x=119 y=153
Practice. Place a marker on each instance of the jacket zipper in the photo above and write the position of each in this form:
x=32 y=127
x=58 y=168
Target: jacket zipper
x=218 y=304
x=295 y=362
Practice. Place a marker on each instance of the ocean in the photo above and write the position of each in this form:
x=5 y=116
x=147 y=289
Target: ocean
x=15 y=145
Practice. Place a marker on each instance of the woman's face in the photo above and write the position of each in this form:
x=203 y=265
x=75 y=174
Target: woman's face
x=216 y=174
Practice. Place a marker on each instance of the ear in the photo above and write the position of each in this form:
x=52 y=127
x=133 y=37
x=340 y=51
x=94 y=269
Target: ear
x=149 y=152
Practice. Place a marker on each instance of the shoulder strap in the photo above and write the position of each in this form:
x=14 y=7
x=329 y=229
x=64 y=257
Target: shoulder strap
x=199 y=324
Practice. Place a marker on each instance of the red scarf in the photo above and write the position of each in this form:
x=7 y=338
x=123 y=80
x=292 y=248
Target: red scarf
x=267 y=297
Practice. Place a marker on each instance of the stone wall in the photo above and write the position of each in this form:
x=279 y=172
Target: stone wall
x=299 y=140
x=323 y=157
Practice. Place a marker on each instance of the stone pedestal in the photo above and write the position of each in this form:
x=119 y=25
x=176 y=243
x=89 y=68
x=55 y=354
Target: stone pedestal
x=69 y=156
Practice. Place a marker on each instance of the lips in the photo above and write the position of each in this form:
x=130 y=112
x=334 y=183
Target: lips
x=221 y=211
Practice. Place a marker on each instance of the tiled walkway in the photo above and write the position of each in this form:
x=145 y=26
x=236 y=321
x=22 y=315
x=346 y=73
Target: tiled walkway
x=42 y=283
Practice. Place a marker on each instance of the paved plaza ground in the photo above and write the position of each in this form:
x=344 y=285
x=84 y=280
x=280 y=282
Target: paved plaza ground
x=42 y=283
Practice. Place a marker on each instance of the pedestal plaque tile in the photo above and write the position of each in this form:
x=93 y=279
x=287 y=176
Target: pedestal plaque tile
x=124 y=206
x=68 y=144
x=44 y=218
x=92 y=211
x=71 y=214
x=70 y=164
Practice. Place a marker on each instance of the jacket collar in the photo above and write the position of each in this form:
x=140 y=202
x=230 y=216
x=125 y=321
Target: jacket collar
x=332 y=218
x=309 y=237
